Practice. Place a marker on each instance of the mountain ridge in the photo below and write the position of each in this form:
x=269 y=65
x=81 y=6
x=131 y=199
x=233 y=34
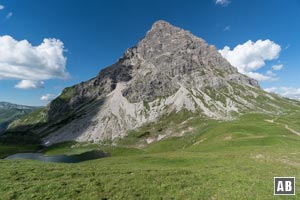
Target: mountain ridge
x=7 y=105
x=10 y=112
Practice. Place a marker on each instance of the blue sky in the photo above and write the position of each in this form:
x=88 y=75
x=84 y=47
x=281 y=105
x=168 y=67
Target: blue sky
x=79 y=38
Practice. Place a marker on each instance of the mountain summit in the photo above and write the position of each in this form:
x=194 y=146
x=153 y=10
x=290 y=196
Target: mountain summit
x=168 y=71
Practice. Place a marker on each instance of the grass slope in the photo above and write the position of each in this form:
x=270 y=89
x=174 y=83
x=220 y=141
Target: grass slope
x=11 y=114
x=214 y=160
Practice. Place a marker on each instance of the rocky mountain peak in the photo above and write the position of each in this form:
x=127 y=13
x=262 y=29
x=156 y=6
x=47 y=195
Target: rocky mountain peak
x=162 y=26
x=169 y=57
x=161 y=30
x=165 y=60
x=164 y=37
x=168 y=71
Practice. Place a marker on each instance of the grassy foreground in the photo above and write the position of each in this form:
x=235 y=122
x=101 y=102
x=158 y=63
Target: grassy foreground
x=215 y=160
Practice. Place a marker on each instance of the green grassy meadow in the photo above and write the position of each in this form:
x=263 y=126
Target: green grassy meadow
x=214 y=160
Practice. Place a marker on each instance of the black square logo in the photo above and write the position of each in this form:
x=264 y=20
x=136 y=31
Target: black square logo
x=284 y=185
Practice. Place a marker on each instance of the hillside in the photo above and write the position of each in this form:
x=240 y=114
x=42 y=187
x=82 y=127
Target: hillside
x=215 y=160
x=10 y=112
x=170 y=70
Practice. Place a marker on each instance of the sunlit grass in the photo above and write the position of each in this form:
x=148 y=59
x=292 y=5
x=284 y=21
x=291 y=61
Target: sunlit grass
x=217 y=160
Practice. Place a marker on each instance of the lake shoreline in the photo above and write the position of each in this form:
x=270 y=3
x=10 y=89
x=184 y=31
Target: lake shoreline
x=61 y=158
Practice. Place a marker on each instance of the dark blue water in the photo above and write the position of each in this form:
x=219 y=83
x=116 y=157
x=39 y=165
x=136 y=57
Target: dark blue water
x=90 y=155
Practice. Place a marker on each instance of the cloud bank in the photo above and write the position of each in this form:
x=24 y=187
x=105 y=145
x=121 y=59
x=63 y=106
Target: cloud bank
x=20 y=60
x=251 y=56
x=289 y=92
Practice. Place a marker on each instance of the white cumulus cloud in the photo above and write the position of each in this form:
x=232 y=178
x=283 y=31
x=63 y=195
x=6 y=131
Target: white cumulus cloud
x=277 y=67
x=48 y=97
x=271 y=89
x=29 y=84
x=251 y=56
x=20 y=60
x=1 y=7
x=289 y=92
x=261 y=77
x=223 y=2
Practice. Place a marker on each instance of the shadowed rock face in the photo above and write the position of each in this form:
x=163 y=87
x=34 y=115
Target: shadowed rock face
x=170 y=69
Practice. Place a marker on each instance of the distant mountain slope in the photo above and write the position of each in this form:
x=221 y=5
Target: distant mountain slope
x=170 y=70
x=10 y=112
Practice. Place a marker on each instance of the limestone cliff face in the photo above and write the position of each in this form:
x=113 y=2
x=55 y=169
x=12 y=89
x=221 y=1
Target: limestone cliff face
x=169 y=70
